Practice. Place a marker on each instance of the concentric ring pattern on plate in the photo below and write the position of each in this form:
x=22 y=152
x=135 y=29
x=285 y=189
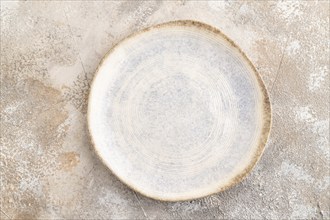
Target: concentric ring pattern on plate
x=178 y=112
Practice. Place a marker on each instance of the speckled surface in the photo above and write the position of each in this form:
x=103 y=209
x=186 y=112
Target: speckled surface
x=49 y=53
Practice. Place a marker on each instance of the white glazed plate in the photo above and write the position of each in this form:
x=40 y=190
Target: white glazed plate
x=178 y=112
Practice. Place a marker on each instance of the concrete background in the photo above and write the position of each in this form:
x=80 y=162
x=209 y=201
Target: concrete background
x=49 y=53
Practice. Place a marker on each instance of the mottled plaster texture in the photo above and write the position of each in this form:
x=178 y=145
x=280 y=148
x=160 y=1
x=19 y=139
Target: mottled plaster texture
x=49 y=54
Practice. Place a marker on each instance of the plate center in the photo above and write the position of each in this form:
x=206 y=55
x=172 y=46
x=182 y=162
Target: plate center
x=174 y=113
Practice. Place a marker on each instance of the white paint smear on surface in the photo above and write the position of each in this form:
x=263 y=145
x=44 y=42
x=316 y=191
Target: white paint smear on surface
x=316 y=79
x=289 y=169
x=293 y=47
x=305 y=114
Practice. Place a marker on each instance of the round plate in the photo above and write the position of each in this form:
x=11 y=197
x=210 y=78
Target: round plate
x=178 y=112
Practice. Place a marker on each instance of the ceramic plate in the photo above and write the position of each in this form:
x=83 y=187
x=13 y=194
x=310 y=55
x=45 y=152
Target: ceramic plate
x=178 y=112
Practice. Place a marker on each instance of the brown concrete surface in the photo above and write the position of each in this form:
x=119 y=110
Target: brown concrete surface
x=49 y=53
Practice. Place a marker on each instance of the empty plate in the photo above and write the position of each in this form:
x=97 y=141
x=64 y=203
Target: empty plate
x=178 y=112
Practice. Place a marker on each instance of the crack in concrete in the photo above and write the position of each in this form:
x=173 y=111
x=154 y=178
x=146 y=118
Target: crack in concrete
x=144 y=212
x=6 y=214
x=67 y=20
x=279 y=66
x=319 y=210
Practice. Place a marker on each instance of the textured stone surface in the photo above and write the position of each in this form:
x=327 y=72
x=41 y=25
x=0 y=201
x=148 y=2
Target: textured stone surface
x=49 y=53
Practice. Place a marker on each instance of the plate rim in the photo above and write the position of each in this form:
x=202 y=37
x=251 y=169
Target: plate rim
x=266 y=111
